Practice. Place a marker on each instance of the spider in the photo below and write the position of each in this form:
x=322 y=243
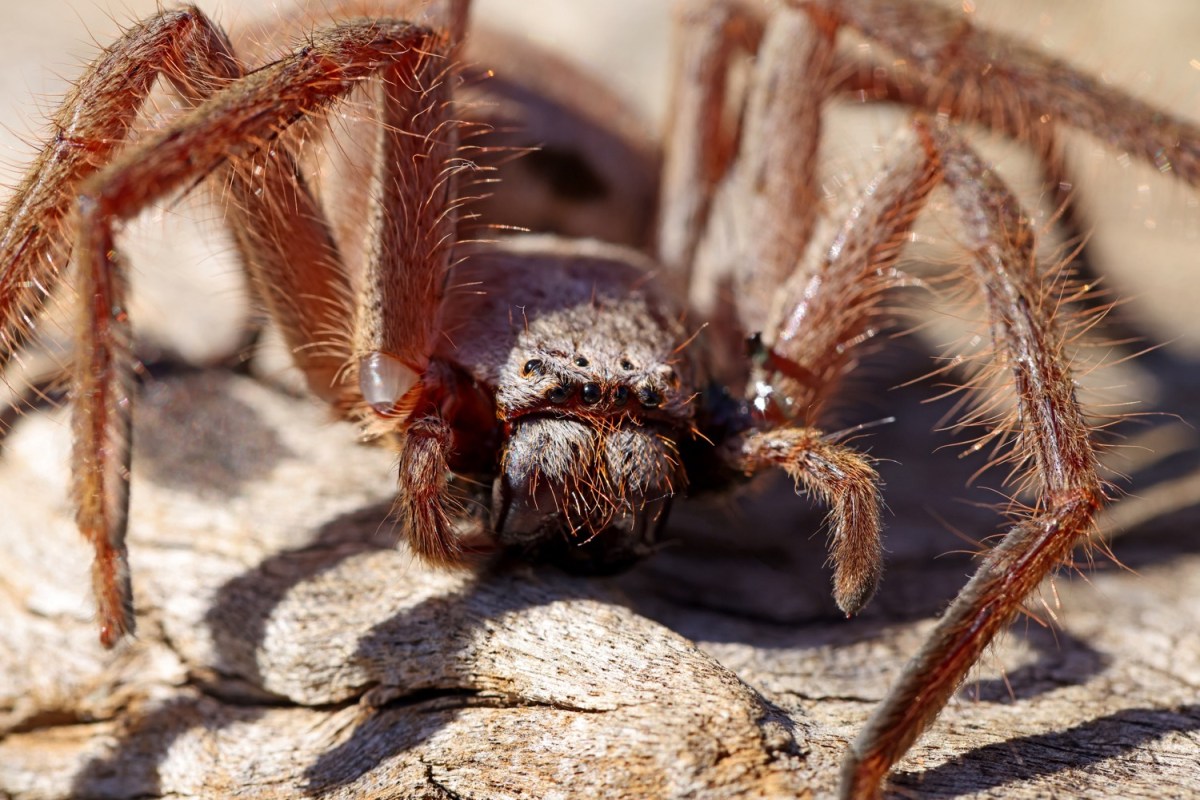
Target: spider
x=550 y=395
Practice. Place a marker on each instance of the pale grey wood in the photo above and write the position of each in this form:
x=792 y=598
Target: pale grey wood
x=287 y=648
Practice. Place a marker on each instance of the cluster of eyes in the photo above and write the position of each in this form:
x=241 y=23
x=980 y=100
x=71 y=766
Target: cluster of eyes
x=590 y=393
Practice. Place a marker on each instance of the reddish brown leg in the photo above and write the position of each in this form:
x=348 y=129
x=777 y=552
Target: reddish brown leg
x=946 y=65
x=810 y=337
x=701 y=139
x=92 y=123
x=280 y=232
x=839 y=477
x=243 y=118
x=1050 y=434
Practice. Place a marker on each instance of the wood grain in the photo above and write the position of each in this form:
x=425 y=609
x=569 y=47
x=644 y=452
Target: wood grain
x=287 y=648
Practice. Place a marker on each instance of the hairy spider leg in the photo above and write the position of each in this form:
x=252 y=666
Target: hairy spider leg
x=1052 y=441
x=245 y=117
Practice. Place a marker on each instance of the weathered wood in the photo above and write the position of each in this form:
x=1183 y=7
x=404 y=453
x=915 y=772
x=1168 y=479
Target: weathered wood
x=287 y=648
x=298 y=648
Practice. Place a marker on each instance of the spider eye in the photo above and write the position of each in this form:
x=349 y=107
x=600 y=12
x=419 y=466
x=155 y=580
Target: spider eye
x=591 y=393
x=558 y=394
x=621 y=396
x=649 y=397
x=756 y=349
x=580 y=361
x=626 y=364
x=533 y=365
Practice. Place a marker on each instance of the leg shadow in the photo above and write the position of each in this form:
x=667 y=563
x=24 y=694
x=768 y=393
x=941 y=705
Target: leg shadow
x=995 y=766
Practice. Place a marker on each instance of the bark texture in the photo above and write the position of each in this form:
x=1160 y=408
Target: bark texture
x=288 y=648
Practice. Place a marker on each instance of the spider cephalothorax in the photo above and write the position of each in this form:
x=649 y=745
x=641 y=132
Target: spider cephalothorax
x=584 y=389
x=550 y=395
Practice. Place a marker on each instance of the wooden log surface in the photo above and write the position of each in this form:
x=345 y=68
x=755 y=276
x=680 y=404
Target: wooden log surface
x=288 y=648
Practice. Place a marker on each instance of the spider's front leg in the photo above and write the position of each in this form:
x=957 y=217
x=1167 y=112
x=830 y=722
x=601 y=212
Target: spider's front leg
x=827 y=308
x=194 y=55
x=236 y=123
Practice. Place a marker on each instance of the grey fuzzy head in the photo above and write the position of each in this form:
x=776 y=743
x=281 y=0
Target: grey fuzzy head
x=566 y=483
x=593 y=387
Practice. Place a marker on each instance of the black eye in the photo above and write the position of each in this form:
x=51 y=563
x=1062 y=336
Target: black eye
x=591 y=393
x=580 y=361
x=626 y=364
x=649 y=398
x=756 y=351
x=621 y=396
x=558 y=394
x=531 y=366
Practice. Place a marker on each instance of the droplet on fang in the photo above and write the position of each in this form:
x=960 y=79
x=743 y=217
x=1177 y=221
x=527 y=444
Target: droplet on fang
x=383 y=380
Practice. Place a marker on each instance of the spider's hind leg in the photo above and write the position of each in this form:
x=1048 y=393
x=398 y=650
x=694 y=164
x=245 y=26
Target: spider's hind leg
x=1049 y=433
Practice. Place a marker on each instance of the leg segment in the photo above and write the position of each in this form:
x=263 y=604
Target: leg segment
x=242 y=119
x=947 y=66
x=35 y=242
x=831 y=302
x=1050 y=434
x=840 y=477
